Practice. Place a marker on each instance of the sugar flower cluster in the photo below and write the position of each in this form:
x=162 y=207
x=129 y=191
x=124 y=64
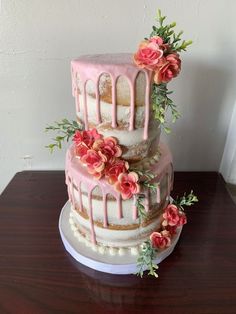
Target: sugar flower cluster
x=173 y=218
x=156 y=55
x=102 y=157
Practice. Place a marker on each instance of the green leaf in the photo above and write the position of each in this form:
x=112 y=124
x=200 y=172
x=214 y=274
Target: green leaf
x=146 y=260
x=65 y=130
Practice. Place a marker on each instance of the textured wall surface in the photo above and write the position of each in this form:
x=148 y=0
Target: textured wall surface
x=39 y=38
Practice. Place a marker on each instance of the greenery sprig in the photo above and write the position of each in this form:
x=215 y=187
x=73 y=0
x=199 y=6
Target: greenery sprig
x=65 y=129
x=167 y=33
x=145 y=260
x=161 y=102
x=142 y=214
x=188 y=200
x=145 y=178
x=145 y=181
x=148 y=253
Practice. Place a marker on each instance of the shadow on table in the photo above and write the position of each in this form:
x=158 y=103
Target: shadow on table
x=126 y=292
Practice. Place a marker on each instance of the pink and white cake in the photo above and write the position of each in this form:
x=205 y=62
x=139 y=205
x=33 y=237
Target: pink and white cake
x=97 y=209
x=118 y=174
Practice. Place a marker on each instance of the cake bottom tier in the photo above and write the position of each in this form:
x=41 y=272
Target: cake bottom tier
x=105 y=222
x=89 y=254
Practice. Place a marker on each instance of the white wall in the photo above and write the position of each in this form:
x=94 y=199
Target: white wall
x=38 y=38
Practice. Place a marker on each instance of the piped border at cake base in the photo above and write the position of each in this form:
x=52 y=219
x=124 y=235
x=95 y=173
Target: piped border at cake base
x=120 y=265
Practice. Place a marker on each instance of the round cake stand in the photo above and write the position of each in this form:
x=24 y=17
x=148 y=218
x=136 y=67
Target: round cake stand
x=116 y=264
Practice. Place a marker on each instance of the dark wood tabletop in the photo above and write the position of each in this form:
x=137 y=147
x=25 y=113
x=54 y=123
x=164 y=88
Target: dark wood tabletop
x=37 y=275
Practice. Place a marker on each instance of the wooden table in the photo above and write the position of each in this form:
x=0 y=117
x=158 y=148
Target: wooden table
x=38 y=276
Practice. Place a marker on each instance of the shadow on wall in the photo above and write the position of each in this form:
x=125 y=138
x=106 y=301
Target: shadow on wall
x=205 y=96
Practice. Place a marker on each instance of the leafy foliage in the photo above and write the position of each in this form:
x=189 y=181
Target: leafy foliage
x=65 y=129
x=148 y=253
x=145 y=260
x=167 y=33
x=140 y=207
x=188 y=200
x=161 y=102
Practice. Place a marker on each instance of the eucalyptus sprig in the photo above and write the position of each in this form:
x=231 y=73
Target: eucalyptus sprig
x=161 y=103
x=65 y=130
x=167 y=33
x=188 y=200
x=146 y=260
x=142 y=214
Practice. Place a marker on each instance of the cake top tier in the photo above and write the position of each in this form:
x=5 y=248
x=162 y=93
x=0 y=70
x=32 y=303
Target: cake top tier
x=112 y=94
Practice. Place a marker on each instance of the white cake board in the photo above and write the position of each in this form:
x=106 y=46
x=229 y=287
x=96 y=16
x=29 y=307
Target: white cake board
x=122 y=265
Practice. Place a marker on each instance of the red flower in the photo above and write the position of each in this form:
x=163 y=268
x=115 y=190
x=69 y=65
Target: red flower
x=95 y=162
x=86 y=137
x=114 y=168
x=108 y=146
x=168 y=68
x=127 y=185
x=160 y=240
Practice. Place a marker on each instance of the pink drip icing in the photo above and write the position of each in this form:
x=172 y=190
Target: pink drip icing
x=80 y=197
x=93 y=237
x=99 y=119
x=85 y=107
x=135 y=209
x=72 y=194
x=77 y=106
x=147 y=106
x=119 y=204
x=105 y=218
x=73 y=81
x=132 y=106
x=168 y=184
x=91 y=68
x=158 y=193
x=114 y=109
x=69 y=194
x=146 y=202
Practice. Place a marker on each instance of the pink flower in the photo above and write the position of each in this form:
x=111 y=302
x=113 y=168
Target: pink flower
x=108 y=146
x=160 y=240
x=127 y=185
x=114 y=168
x=157 y=40
x=95 y=162
x=168 y=68
x=173 y=217
x=81 y=149
x=148 y=54
x=87 y=137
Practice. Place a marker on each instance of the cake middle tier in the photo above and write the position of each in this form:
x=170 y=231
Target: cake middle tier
x=103 y=217
x=113 y=95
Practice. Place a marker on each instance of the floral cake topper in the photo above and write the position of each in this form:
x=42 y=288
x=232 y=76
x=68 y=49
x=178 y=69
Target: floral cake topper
x=160 y=54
